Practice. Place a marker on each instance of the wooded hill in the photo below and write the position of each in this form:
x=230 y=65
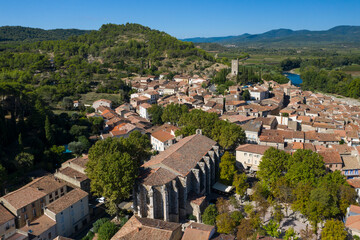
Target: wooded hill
x=98 y=60
x=347 y=35
x=11 y=34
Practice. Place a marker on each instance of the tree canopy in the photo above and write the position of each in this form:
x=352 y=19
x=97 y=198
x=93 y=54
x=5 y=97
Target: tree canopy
x=113 y=167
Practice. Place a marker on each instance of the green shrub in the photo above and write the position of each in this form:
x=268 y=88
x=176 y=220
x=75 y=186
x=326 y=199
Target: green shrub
x=107 y=230
x=99 y=223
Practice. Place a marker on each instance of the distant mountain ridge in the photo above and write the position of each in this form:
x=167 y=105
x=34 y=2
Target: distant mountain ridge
x=339 y=34
x=26 y=34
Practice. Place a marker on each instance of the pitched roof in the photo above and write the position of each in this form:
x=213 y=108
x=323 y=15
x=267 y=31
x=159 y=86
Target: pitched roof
x=330 y=157
x=23 y=197
x=39 y=226
x=355 y=182
x=354 y=209
x=181 y=157
x=253 y=148
x=350 y=162
x=5 y=215
x=137 y=228
x=162 y=135
x=67 y=200
x=157 y=177
x=198 y=231
x=80 y=161
x=33 y=191
x=252 y=126
x=72 y=173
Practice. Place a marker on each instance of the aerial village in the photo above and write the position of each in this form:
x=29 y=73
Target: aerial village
x=181 y=180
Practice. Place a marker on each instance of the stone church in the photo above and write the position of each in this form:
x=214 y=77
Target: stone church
x=174 y=184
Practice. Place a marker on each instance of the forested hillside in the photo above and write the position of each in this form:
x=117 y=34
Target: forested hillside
x=281 y=38
x=11 y=34
x=97 y=61
x=37 y=77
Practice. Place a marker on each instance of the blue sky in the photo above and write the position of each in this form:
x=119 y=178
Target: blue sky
x=183 y=18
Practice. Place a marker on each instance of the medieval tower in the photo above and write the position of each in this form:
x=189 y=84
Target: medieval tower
x=234 y=67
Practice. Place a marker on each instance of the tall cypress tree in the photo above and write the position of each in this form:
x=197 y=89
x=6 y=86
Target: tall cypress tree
x=48 y=132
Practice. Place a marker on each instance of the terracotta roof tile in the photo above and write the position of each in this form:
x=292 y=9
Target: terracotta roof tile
x=67 y=200
x=253 y=148
x=72 y=173
x=39 y=226
x=181 y=157
x=198 y=231
x=157 y=177
x=146 y=229
x=5 y=215
x=355 y=182
x=331 y=157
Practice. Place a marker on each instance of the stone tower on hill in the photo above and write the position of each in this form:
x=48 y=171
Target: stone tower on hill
x=235 y=67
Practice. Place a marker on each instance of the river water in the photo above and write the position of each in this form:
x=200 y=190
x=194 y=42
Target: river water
x=294 y=78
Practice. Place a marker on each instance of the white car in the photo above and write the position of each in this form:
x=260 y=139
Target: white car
x=100 y=200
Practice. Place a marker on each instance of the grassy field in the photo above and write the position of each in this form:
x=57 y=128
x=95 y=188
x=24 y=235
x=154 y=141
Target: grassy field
x=90 y=97
x=354 y=70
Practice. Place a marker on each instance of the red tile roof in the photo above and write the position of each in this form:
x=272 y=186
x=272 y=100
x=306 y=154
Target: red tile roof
x=253 y=148
x=67 y=200
x=181 y=157
x=5 y=215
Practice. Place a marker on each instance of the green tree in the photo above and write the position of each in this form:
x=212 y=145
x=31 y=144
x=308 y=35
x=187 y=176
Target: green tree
x=305 y=166
x=76 y=147
x=24 y=160
x=55 y=154
x=107 y=230
x=67 y=103
x=272 y=229
x=283 y=192
x=222 y=205
x=228 y=135
x=227 y=168
x=85 y=142
x=156 y=112
x=278 y=215
x=209 y=215
x=246 y=95
x=240 y=184
x=224 y=223
x=99 y=223
x=3 y=176
x=77 y=130
x=173 y=112
x=245 y=230
x=334 y=230
x=236 y=216
x=272 y=166
x=290 y=234
x=113 y=167
x=48 y=132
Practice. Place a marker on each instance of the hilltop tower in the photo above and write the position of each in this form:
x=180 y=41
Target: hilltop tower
x=235 y=67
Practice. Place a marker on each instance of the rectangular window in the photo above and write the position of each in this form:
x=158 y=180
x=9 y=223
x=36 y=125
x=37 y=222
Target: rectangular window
x=26 y=216
x=23 y=209
x=33 y=205
x=34 y=212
